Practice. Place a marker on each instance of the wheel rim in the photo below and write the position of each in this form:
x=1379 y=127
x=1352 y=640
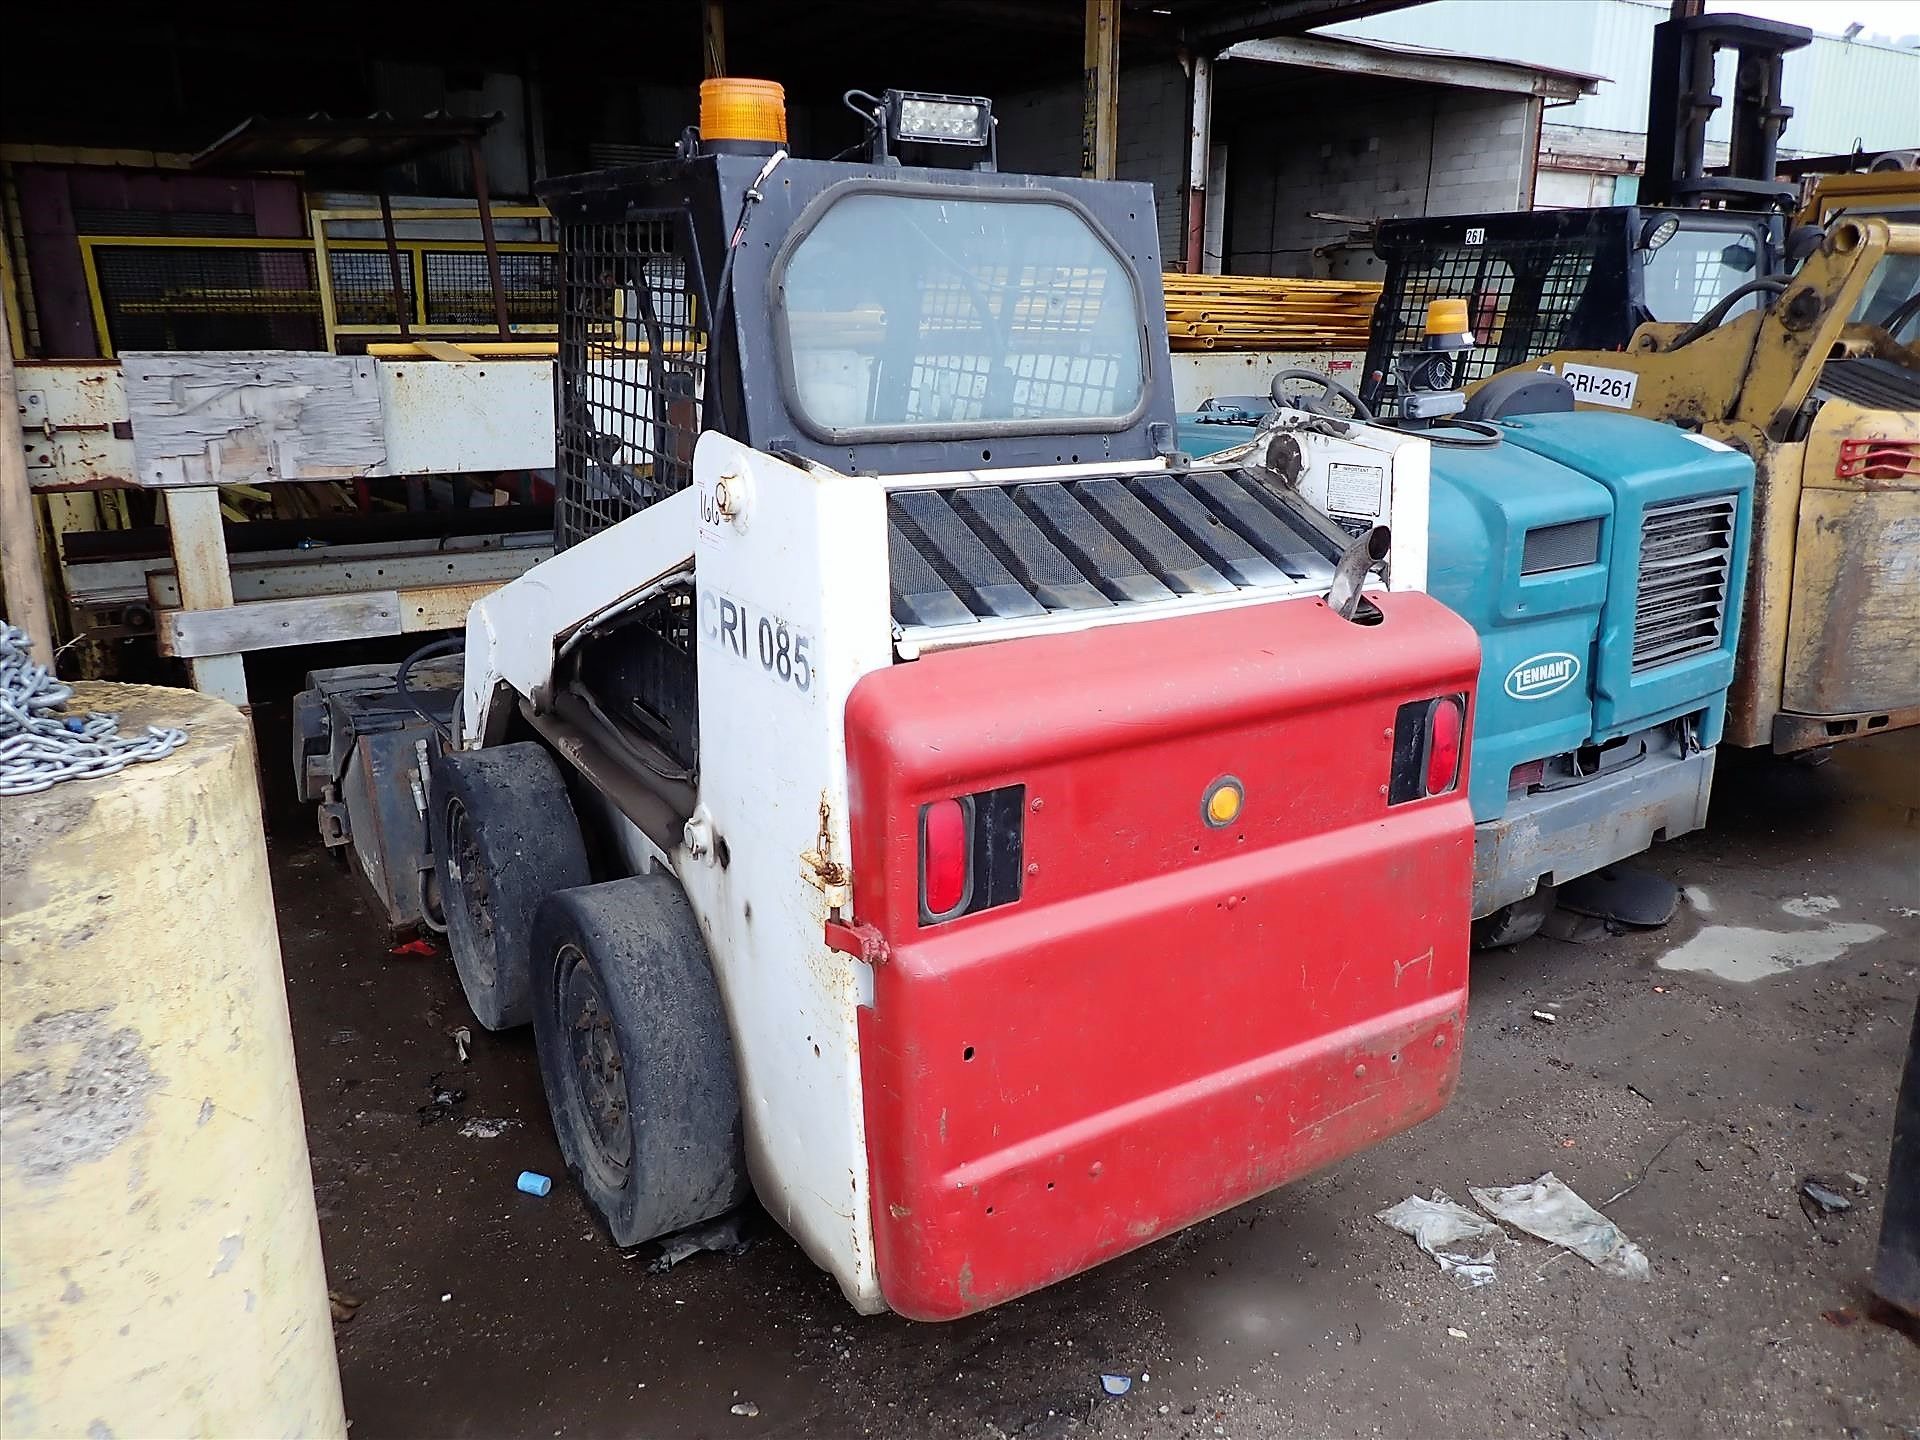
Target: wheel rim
x=596 y=1067
x=469 y=887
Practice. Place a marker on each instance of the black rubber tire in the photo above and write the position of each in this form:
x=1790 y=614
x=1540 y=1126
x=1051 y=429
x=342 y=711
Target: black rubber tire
x=504 y=838
x=1511 y=924
x=636 y=1057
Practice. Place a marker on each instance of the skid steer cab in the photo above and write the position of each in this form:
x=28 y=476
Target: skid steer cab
x=1599 y=557
x=911 y=790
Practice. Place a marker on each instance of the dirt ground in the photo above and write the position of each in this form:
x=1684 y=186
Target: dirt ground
x=484 y=1311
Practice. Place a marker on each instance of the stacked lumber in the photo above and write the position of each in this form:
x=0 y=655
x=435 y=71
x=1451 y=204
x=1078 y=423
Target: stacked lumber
x=1266 y=312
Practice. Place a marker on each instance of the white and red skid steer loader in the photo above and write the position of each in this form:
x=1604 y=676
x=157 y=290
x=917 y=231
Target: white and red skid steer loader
x=913 y=791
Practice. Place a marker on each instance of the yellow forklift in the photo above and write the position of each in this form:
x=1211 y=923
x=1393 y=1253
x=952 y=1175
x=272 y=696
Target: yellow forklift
x=1821 y=386
x=1794 y=343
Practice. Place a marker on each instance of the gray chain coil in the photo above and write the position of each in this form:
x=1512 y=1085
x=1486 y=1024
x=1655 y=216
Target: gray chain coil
x=41 y=746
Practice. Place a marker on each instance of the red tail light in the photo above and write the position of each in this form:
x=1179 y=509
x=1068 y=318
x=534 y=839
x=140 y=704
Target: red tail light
x=1444 y=729
x=1428 y=739
x=946 y=847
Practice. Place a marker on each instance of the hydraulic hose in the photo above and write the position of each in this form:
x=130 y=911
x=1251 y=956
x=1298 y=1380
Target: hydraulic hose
x=1465 y=434
x=1773 y=283
x=452 y=644
x=723 y=292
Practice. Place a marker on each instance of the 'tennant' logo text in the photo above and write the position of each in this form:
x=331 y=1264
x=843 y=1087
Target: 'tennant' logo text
x=1539 y=676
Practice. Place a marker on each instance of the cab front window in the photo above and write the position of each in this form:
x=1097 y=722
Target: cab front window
x=914 y=313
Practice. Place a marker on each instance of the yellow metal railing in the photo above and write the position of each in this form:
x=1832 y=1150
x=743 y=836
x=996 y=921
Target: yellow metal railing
x=413 y=254
x=316 y=292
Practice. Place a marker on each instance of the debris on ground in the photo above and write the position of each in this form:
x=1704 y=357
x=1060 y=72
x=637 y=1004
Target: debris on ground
x=486 y=1127
x=1647 y=1169
x=746 y=1408
x=1438 y=1226
x=413 y=947
x=1858 y=1181
x=462 y=1037
x=1116 y=1384
x=1824 y=1195
x=725 y=1236
x=343 y=1306
x=1550 y=1211
x=1456 y=1332
x=1545 y=1017
x=445 y=1102
x=532 y=1182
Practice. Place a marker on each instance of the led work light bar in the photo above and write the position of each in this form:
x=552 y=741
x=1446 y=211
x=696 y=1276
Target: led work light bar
x=921 y=118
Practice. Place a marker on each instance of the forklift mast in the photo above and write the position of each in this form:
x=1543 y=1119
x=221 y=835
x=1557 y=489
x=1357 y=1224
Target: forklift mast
x=1682 y=100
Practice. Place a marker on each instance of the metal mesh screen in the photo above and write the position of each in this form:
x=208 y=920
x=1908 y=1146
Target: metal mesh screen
x=1520 y=297
x=1707 y=282
x=181 y=297
x=632 y=373
x=1047 y=306
x=1560 y=547
x=642 y=674
x=460 y=292
x=363 y=287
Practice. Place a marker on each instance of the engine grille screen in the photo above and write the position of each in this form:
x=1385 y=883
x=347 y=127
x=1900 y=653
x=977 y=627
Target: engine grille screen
x=1011 y=551
x=1686 y=549
x=1560 y=547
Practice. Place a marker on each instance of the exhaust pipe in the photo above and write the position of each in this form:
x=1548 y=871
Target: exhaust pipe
x=1355 y=564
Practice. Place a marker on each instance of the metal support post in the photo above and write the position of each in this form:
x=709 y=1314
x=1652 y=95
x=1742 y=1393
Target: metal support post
x=1199 y=160
x=1100 y=118
x=477 y=163
x=400 y=306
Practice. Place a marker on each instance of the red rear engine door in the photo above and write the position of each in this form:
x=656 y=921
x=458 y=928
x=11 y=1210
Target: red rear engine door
x=1171 y=1015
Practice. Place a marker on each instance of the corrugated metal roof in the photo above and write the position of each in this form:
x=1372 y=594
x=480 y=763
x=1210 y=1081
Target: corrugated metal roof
x=1418 y=64
x=1587 y=79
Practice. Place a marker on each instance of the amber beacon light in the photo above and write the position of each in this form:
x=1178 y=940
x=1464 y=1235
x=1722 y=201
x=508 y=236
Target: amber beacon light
x=732 y=108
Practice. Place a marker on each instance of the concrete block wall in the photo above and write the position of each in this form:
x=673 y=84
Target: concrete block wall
x=1481 y=154
x=1304 y=143
x=1040 y=135
x=1366 y=149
